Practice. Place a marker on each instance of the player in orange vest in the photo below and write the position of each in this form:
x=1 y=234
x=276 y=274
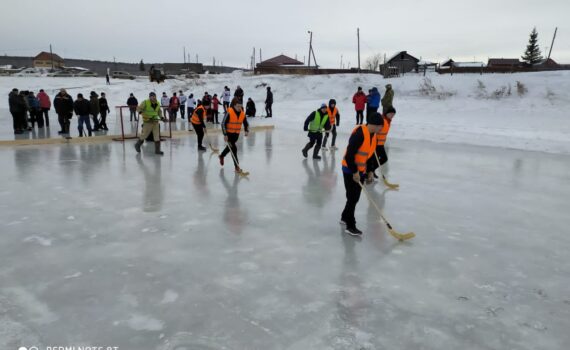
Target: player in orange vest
x=231 y=127
x=381 y=138
x=360 y=149
x=334 y=119
x=197 y=120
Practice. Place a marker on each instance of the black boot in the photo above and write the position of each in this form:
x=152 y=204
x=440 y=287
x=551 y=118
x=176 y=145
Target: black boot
x=80 y=132
x=138 y=145
x=305 y=150
x=157 y=148
x=316 y=153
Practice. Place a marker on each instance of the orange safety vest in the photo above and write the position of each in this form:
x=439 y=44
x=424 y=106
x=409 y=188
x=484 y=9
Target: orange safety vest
x=195 y=119
x=235 y=121
x=365 y=151
x=332 y=115
x=383 y=134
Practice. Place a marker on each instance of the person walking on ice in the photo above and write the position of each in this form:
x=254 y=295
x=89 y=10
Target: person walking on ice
x=231 y=127
x=334 y=119
x=197 y=120
x=360 y=149
x=381 y=156
x=152 y=115
x=314 y=124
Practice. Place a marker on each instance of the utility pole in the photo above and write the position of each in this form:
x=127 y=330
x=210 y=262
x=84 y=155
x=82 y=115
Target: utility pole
x=260 y=59
x=310 y=47
x=196 y=58
x=551 y=45
x=340 y=61
x=358 y=37
x=51 y=54
x=184 y=54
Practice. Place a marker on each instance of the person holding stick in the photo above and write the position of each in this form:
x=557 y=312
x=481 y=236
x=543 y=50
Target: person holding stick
x=231 y=128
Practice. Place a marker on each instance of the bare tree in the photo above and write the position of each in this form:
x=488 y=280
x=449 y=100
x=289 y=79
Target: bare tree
x=373 y=62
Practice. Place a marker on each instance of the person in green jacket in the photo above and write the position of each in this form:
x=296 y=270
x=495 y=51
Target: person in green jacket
x=152 y=115
x=314 y=124
x=387 y=99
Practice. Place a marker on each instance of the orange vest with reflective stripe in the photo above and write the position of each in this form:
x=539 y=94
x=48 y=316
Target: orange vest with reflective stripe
x=365 y=151
x=195 y=119
x=332 y=115
x=383 y=134
x=234 y=123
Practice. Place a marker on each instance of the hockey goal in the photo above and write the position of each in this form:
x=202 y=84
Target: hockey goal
x=127 y=125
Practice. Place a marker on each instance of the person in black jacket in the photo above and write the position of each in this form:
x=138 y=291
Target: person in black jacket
x=18 y=111
x=198 y=124
x=314 y=124
x=250 y=108
x=354 y=167
x=269 y=103
x=63 y=104
x=133 y=103
x=82 y=109
x=239 y=94
x=103 y=109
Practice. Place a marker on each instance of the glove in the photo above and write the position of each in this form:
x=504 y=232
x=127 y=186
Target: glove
x=356 y=177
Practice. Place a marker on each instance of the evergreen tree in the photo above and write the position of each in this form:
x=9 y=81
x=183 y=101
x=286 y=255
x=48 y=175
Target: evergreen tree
x=532 y=54
x=141 y=66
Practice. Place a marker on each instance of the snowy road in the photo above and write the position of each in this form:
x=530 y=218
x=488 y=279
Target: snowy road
x=103 y=247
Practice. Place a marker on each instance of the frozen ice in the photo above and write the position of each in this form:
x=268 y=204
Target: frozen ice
x=175 y=252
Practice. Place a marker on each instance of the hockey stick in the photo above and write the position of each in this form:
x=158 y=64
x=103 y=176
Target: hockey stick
x=215 y=150
x=390 y=185
x=240 y=172
x=398 y=236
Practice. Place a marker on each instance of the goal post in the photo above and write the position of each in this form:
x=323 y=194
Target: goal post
x=126 y=126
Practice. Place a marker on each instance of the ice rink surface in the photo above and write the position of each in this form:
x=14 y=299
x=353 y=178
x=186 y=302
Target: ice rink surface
x=101 y=246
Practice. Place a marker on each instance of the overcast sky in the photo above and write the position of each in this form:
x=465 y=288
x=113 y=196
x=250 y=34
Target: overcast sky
x=158 y=31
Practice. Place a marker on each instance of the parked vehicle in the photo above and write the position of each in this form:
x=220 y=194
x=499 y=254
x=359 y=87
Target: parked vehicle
x=122 y=75
x=30 y=72
x=61 y=74
x=86 y=74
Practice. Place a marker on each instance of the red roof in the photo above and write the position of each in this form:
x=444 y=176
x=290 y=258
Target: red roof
x=280 y=61
x=46 y=56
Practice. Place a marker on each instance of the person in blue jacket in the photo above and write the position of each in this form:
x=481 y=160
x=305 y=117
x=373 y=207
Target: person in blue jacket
x=372 y=102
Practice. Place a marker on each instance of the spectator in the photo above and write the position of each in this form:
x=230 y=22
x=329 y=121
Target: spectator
x=226 y=98
x=103 y=109
x=95 y=110
x=207 y=101
x=387 y=100
x=173 y=105
x=18 y=110
x=164 y=100
x=373 y=102
x=63 y=104
x=269 y=103
x=182 y=99
x=239 y=94
x=250 y=108
x=82 y=109
x=191 y=104
x=133 y=103
x=45 y=106
x=215 y=113
x=359 y=100
x=34 y=104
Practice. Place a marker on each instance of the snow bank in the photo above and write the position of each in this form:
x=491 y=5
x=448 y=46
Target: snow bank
x=470 y=109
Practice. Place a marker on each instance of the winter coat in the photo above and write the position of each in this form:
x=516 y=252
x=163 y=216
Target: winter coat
x=44 y=100
x=63 y=104
x=33 y=102
x=191 y=102
x=82 y=107
x=373 y=99
x=239 y=94
x=215 y=103
x=311 y=117
x=226 y=96
x=182 y=99
x=387 y=99
x=132 y=102
x=174 y=103
x=164 y=101
x=359 y=100
x=250 y=108
x=269 y=98
x=94 y=105
x=103 y=105
x=17 y=104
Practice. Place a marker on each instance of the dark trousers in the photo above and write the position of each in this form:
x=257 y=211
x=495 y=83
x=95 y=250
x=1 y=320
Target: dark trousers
x=232 y=139
x=225 y=105
x=372 y=163
x=190 y=111
x=215 y=114
x=16 y=123
x=45 y=112
x=199 y=132
x=359 y=117
x=314 y=137
x=172 y=113
x=96 y=125
x=333 y=132
x=63 y=120
x=369 y=111
x=182 y=110
x=352 y=197
x=33 y=117
x=103 y=124
x=268 y=110
x=83 y=119
x=133 y=113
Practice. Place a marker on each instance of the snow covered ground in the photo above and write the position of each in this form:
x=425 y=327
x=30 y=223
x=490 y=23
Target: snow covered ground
x=462 y=109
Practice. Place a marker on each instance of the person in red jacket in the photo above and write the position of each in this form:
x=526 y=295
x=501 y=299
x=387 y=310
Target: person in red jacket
x=359 y=100
x=215 y=104
x=45 y=106
x=173 y=107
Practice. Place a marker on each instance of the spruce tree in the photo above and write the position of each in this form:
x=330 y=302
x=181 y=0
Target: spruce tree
x=532 y=54
x=141 y=66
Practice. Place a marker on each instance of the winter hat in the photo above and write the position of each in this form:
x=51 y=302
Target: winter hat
x=79 y=95
x=375 y=119
x=388 y=86
x=332 y=101
x=391 y=110
x=151 y=94
x=323 y=106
